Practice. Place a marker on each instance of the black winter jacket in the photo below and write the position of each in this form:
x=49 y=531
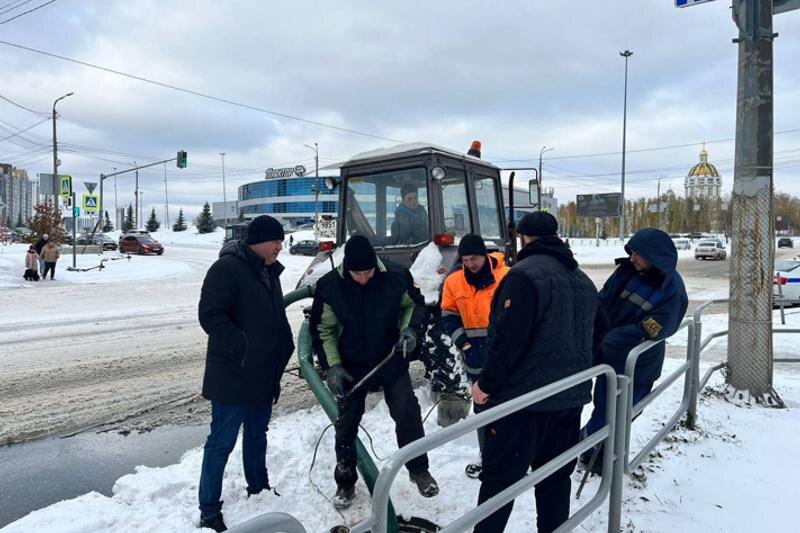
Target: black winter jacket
x=541 y=327
x=358 y=326
x=249 y=338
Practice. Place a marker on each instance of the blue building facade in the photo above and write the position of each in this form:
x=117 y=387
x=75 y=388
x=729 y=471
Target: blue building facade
x=290 y=200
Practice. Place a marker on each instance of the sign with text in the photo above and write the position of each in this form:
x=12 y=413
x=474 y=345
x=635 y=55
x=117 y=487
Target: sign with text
x=598 y=205
x=288 y=172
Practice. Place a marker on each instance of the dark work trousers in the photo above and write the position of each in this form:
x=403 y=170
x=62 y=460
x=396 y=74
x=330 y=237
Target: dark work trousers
x=478 y=409
x=598 y=418
x=527 y=440
x=404 y=409
x=49 y=267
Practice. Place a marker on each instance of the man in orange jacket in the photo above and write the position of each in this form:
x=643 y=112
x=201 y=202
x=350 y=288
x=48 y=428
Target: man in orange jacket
x=466 y=301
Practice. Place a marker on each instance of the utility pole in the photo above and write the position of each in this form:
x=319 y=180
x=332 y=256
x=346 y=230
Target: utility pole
x=136 y=197
x=626 y=54
x=541 y=189
x=166 y=197
x=658 y=202
x=118 y=226
x=224 y=195
x=55 y=152
x=750 y=363
x=316 y=187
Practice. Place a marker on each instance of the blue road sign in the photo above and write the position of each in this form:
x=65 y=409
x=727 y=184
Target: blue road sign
x=689 y=3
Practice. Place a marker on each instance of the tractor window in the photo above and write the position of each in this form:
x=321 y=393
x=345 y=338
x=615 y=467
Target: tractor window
x=454 y=204
x=390 y=208
x=488 y=210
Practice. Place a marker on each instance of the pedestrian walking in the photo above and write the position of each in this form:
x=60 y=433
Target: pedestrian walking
x=50 y=254
x=31 y=265
x=249 y=343
x=368 y=313
x=644 y=299
x=466 y=302
x=542 y=325
x=38 y=246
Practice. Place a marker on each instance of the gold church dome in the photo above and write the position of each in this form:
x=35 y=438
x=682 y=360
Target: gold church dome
x=703 y=168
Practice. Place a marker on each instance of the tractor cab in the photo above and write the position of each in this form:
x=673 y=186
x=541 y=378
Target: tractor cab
x=408 y=196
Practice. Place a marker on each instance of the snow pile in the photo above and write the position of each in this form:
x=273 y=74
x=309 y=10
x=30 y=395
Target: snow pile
x=705 y=480
x=429 y=273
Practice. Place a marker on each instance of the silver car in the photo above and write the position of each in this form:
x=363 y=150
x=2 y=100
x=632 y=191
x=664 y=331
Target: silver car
x=710 y=249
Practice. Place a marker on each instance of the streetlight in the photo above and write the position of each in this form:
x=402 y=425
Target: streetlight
x=316 y=187
x=626 y=54
x=542 y=151
x=224 y=195
x=55 y=153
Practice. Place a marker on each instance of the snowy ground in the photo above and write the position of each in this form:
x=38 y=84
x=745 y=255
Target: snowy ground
x=101 y=347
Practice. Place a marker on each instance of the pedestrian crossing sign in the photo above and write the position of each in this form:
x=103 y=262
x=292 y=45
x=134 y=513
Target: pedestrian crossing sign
x=66 y=186
x=90 y=203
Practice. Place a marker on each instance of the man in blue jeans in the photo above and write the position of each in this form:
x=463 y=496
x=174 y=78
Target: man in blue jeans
x=644 y=299
x=249 y=343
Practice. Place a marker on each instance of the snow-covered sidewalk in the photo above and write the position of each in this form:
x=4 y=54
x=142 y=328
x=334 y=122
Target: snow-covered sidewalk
x=735 y=473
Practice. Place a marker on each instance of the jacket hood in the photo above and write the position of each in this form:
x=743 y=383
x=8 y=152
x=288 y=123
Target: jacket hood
x=552 y=246
x=656 y=247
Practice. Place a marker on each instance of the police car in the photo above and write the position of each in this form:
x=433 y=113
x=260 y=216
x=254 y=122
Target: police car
x=786 y=280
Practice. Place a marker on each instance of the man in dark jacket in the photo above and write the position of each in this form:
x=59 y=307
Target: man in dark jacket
x=364 y=311
x=249 y=343
x=644 y=299
x=540 y=331
x=410 y=225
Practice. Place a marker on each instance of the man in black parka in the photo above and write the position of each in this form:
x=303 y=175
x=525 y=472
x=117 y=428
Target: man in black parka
x=363 y=311
x=249 y=344
x=541 y=330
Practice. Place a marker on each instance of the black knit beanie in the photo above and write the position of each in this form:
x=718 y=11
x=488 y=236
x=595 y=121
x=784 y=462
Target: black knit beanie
x=471 y=244
x=264 y=228
x=538 y=224
x=359 y=255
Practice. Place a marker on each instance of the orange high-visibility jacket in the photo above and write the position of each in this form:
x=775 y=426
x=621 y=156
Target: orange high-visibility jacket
x=470 y=304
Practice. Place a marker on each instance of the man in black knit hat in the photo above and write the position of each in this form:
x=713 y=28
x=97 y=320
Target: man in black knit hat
x=249 y=343
x=541 y=330
x=363 y=312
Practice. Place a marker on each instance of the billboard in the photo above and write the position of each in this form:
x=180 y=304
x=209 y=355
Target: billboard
x=598 y=205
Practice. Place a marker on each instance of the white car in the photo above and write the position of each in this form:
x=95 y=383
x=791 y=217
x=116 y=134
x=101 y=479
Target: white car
x=682 y=244
x=710 y=249
x=786 y=281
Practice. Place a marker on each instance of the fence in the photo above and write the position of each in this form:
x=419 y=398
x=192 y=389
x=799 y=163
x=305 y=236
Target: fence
x=615 y=437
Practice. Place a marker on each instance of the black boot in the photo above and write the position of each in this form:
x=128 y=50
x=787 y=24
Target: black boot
x=215 y=522
x=344 y=497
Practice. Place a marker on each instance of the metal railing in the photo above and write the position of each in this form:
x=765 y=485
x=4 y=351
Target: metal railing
x=688 y=404
x=612 y=434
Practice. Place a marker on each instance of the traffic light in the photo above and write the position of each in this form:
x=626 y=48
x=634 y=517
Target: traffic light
x=181 y=161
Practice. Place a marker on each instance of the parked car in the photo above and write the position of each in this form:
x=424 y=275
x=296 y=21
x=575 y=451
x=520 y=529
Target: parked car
x=304 y=248
x=100 y=239
x=140 y=244
x=682 y=244
x=785 y=242
x=710 y=250
x=786 y=281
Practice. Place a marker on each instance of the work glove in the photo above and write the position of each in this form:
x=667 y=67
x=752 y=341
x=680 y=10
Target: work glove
x=338 y=379
x=408 y=337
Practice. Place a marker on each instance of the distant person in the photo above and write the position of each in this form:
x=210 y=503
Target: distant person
x=249 y=343
x=566 y=243
x=31 y=264
x=644 y=299
x=410 y=225
x=541 y=330
x=38 y=246
x=291 y=240
x=363 y=312
x=466 y=301
x=50 y=254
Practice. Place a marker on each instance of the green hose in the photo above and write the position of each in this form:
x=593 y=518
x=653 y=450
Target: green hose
x=304 y=355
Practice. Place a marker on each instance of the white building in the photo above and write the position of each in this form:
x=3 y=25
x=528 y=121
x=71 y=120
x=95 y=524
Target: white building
x=703 y=180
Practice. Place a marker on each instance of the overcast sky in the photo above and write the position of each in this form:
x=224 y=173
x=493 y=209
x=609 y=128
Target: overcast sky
x=518 y=75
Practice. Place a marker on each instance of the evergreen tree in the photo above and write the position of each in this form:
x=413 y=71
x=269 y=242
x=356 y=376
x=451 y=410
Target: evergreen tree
x=127 y=224
x=204 y=221
x=180 y=224
x=241 y=216
x=152 y=223
x=20 y=221
x=107 y=225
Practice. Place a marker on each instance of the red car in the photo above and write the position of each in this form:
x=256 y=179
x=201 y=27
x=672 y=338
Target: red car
x=140 y=244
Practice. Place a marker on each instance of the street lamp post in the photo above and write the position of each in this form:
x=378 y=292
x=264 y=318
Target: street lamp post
x=626 y=54
x=224 y=194
x=55 y=152
x=316 y=187
x=541 y=191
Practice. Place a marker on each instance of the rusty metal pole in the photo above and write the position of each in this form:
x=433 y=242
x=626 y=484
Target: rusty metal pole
x=750 y=339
